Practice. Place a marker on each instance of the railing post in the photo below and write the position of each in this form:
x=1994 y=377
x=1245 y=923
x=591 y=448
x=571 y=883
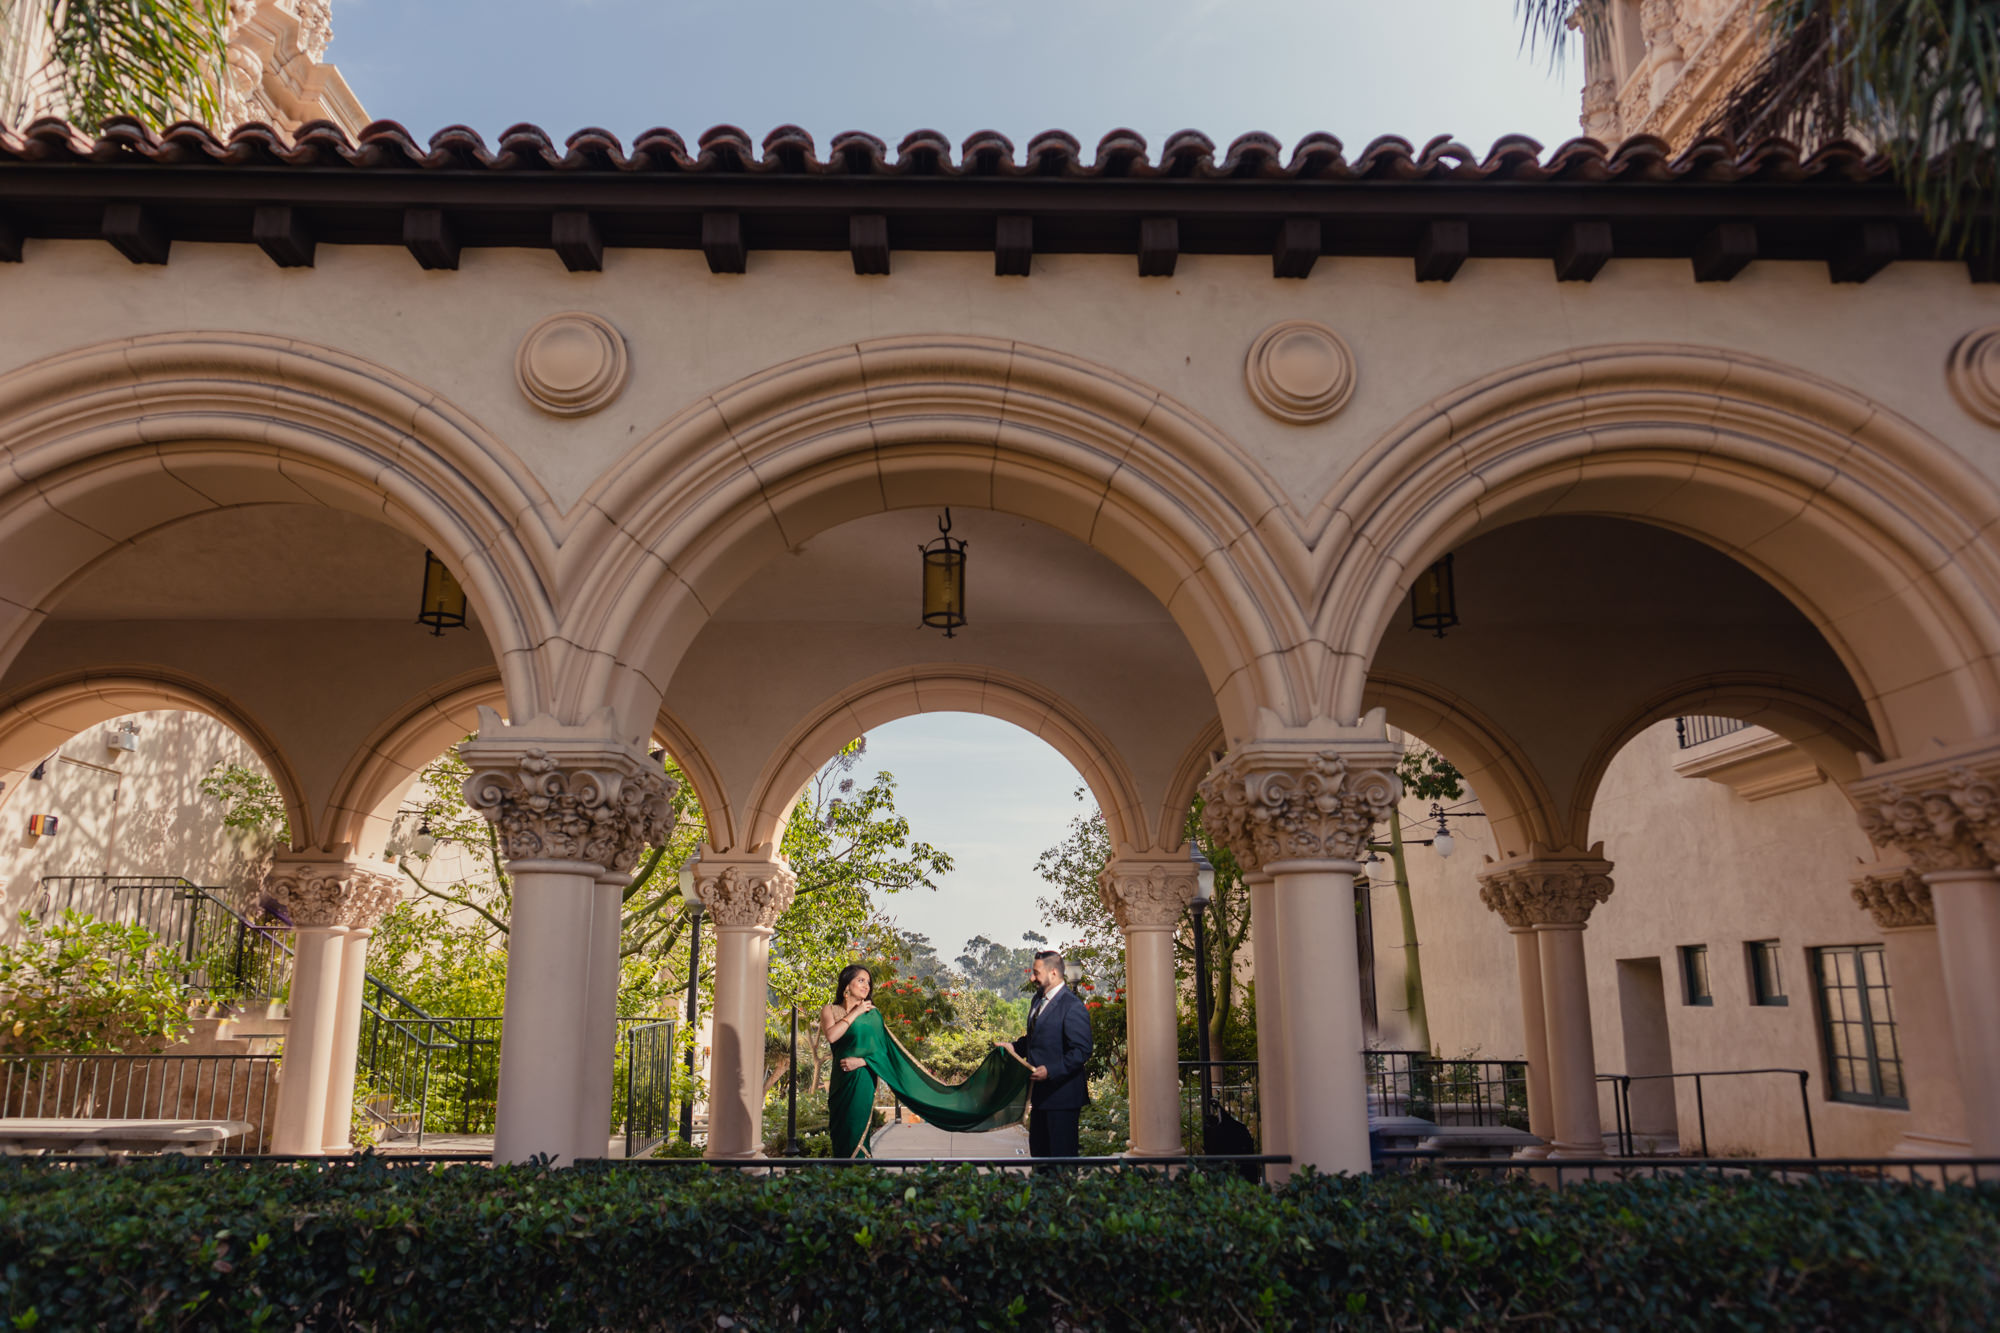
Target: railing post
x=1701 y=1114
x=1805 y=1104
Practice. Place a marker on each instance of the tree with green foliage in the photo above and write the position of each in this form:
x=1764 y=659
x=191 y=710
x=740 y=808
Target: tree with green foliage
x=1426 y=775
x=159 y=60
x=250 y=800
x=991 y=966
x=74 y=985
x=1919 y=79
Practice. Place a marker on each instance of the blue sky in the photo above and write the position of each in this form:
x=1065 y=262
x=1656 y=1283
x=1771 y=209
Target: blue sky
x=989 y=794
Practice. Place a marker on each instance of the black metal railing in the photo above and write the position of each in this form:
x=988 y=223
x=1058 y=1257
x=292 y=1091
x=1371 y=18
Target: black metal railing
x=1483 y=1093
x=647 y=1056
x=1558 y=1172
x=221 y=955
x=145 y=1087
x=1693 y=731
x=1235 y=1164
x=1621 y=1105
x=1233 y=1083
x=425 y=1074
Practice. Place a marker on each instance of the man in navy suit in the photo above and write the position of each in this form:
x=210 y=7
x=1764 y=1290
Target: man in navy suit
x=1057 y=1045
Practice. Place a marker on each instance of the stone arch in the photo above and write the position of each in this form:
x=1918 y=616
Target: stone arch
x=40 y=717
x=1201 y=756
x=430 y=724
x=1872 y=528
x=107 y=442
x=949 y=688
x=757 y=468
x=1521 y=812
x=1837 y=740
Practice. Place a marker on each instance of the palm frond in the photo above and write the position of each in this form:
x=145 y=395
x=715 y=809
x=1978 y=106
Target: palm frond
x=1547 y=24
x=155 y=59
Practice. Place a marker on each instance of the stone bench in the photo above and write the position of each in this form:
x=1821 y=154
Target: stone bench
x=93 y=1138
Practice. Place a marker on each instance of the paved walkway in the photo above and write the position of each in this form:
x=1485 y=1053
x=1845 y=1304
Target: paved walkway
x=907 y=1142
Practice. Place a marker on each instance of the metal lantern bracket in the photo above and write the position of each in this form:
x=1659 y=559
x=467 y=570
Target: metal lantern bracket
x=444 y=601
x=944 y=579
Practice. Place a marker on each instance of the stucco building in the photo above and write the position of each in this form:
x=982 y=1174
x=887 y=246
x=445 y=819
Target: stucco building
x=1708 y=434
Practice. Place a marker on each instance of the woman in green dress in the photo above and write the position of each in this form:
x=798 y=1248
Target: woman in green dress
x=864 y=1051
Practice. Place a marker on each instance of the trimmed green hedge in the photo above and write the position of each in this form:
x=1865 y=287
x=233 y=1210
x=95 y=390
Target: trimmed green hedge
x=184 y=1245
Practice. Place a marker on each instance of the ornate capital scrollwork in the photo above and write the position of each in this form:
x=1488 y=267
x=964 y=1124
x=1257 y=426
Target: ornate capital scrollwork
x=1146 y=895
x=1897 y=898
x=1944 y=817
x=747 y=893
x=557 y=793
x=1546 y=888
x=1272 y=802
x=320 y=892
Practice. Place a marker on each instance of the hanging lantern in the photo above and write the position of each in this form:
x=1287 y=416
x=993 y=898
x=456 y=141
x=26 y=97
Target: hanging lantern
x=944 y=579
x=444 y=599
x=1434 y=599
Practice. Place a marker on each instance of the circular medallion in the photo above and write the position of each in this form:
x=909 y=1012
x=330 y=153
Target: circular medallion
x=1300 y=372
x=571 y=364
x=1973 y=372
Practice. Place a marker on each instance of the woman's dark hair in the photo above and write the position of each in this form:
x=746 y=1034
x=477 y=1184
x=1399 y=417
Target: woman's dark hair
x=847 y=976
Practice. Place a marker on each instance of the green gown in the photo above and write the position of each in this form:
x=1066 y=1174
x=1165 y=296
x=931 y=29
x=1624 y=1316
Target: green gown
x=995 y=1094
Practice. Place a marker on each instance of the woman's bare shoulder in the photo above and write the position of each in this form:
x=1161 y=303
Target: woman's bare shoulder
x=827 y=1011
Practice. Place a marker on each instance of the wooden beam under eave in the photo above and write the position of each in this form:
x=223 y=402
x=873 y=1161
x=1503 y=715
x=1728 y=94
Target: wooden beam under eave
x=1297 y=248
x=868 y=243
x=136 y=233
x=722 y=242
x=1865 y=251
x=1442 y=247
x=1582 y=251
x=1013 y=245
x=1159 y=247
x=1725 y=251
x=428 y=235
x=280 y=232
x=574 y=237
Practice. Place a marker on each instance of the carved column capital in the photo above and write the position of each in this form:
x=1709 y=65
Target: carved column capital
x=1600 y=110
x=560 y=793
x=319 y=891
x=1896 y=897
x=1944 y=815
x=1146 y=895
x=1546 y=888
x=1307 y=799
x=746 y=893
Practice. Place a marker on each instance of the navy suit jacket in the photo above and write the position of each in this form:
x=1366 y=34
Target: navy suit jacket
x=1059 y=1038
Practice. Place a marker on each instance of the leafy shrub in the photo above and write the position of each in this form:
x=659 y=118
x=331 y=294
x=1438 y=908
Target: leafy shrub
x=75 y=984
x=180 y=1244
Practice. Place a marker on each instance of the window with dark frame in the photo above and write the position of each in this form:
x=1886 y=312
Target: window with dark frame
x=1858 y=1020
x=1767 y=982
x=1694 y=975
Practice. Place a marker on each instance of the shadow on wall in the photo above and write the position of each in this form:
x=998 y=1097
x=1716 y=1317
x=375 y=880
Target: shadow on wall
x=137 y=812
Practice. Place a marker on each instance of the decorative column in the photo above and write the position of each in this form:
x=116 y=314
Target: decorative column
x=600 y=1024
x=571 y=805
x=1554 y=892
x=1900 y=902
x=317 y=891
x=373 y=896
x=1148 y=898
x=1944 y=816
x=744 y=898
x=1300 y=809
x=1495 y=891
x=1274 y=1090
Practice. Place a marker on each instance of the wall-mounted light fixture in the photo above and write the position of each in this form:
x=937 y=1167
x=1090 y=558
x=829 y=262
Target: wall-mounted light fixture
x=944 y=579
x=444 y=599
x=1434 y=598
x=125 y=738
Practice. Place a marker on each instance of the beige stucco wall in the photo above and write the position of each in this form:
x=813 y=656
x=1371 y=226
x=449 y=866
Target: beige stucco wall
x=690 y=331
x=141 y=813
x=1695 y=864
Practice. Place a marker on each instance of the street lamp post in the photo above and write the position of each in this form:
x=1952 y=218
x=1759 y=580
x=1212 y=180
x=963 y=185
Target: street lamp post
x=694 y=980
x=1204 y=894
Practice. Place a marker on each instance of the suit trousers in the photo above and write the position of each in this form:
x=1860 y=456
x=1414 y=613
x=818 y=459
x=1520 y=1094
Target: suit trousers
x=1052 y=1133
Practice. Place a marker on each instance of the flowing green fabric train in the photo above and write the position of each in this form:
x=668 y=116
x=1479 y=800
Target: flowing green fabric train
x=995 y=1094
